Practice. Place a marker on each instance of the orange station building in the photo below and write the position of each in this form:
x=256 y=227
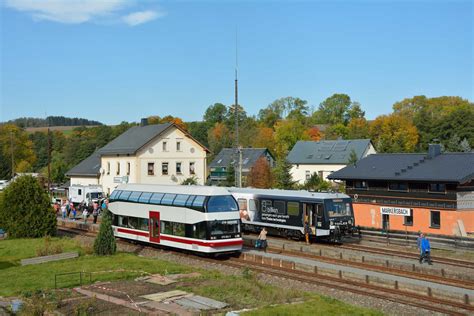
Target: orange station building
x=432 y=193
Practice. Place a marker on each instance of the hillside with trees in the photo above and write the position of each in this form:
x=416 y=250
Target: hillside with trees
x=414 y=123
x=25 y=122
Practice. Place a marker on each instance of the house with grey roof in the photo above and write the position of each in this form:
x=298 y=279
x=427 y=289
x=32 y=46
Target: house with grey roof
x=227 y=156
x=152 y=154
x=430 y=192
x=325 y=157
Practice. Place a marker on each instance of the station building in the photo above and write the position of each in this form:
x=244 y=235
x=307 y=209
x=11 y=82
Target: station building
x=149 y=154
x=431 y=192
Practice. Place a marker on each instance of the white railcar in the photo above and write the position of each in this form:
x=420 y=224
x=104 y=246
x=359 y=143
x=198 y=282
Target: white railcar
x=197 y=218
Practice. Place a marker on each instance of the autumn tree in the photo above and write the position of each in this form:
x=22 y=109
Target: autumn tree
x=14 y=140
x=287 y=133
x=219 y=137
x=337 y=131
x=264 y=138
x=313 y=134
x=393 y=133
x=358 y=128
x=260 y=175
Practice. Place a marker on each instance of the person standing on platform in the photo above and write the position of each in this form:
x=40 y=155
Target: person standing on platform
x=263 y=239
x=425 y=250
x=307 y=232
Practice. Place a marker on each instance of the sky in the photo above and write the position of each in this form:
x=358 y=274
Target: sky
x=121 y=60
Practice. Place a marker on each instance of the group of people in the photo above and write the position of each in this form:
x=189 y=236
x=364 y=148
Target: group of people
x=424 y=247
x=67 y=208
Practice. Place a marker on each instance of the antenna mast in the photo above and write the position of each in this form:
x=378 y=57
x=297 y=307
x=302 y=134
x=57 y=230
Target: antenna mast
x=238 y=170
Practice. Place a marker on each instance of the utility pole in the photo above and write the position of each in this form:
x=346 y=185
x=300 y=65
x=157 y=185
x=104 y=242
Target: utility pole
x=11 y=149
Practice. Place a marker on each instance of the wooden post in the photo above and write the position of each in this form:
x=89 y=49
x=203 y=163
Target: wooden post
x=363 y=258
x=367 y=279
x=340 y=274
x=466 y=299
x=340 y=255
x=396 y=285
x=316 y=269
x=430 y=294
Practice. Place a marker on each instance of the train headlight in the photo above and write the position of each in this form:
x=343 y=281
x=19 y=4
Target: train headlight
x=350 y=222
x=331 y=222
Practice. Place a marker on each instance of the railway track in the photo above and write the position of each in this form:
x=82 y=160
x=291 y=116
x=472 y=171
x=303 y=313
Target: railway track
x=387 y=270
x=408 y=255
x=435 y=304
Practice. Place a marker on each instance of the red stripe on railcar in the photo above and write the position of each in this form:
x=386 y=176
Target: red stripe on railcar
x=133 y=232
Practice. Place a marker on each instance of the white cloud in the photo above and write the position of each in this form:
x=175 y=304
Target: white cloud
x=67 y=11
x=142 y=17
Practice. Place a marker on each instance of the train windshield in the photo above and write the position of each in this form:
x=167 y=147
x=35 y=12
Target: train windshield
x=228 y=227
x=222 y=203
x=339 y=208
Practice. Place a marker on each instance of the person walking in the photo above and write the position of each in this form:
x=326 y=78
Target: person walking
x=425 y=250
x=85 y=214
x=74 y=211
x=307 y=232
x=263 y=239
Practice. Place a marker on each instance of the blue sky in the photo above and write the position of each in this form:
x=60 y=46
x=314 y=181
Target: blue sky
x=123 y=60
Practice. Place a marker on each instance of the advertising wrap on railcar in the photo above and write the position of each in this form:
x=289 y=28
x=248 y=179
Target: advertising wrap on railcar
x=269 y=210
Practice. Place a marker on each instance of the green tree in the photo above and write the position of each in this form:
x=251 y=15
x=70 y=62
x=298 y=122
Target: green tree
x=190 y=181
x=352 y=158
x=337 y=131
x=230 y=180
x=282 y=175
x=315 y=183
x=333 y=110
x=287 y=133
x=104 y=243
x=393 y=133
x=25 y=211
x=215 y=113
x=354 y=112
x=230 y=118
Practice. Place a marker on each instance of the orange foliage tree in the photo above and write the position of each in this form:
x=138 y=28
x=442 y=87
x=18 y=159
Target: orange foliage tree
x=260 y=175
x=393 y=133
x=313 y=133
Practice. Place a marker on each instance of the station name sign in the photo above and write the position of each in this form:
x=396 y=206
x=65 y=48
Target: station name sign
x=395 y=211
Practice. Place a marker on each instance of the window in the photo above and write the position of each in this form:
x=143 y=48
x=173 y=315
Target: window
x=128 y=168
x=360 y=184
x=223 y=203
x=438 y=187
x=164 y=146
x=242 y=204
x=293 y=208
x=114 y=194
x=340 y=209
x=190 y=200
x=124 y=195
x=280 y=206
x=145 y=197
x=108 y=167
x=435 y=219
x=168 y=199
x=118 y=168
x=408 y=220
x=178 y=146
x=156 y=198
x=178 y=229
x=164 y=168
x=151 y=169
x=191 y=168
x=178 y=168
x=218 y=228
x=307 y=174
x=180 y=200
x=79 y=191
x=199 y=202
x=134 y=196
x=398 y=186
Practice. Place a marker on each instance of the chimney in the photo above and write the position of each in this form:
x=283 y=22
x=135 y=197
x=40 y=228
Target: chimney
x=144 y=122
x=434 y=150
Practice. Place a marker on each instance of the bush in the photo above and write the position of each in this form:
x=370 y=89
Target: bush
x=104 y=243
x=48 y=248
x=25 y=210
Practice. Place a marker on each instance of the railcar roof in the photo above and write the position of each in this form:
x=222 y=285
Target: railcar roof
x=290 y=193
x=177 y=189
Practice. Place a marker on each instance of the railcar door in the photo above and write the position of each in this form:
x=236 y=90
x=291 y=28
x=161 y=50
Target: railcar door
x=154 y=226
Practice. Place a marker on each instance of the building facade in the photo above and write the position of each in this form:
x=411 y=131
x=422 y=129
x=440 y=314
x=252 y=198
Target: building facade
x=325 y=157
x=150 y=154
x=219 y=166
x=432 y=192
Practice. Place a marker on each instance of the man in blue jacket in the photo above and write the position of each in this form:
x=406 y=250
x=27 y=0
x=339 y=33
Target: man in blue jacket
x=425 y=250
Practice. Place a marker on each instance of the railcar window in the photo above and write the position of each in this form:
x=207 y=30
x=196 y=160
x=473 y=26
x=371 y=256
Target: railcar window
x=199 y=230
x=124 y=195
x=252 y=205
x=199 y=201
x=115 y=194
x=222 y=203
x=145 y=197
x=166 y=228
x=178 y=229
x=156 y=198
x=168 y=199
x=340 y=209
x=218 y=228
x=280 y=206
x=122 y=221
x=190 y=200
x=242 y=204
x=180 y=200
x=133 y=222
x=293 y=208
x=134 y=196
